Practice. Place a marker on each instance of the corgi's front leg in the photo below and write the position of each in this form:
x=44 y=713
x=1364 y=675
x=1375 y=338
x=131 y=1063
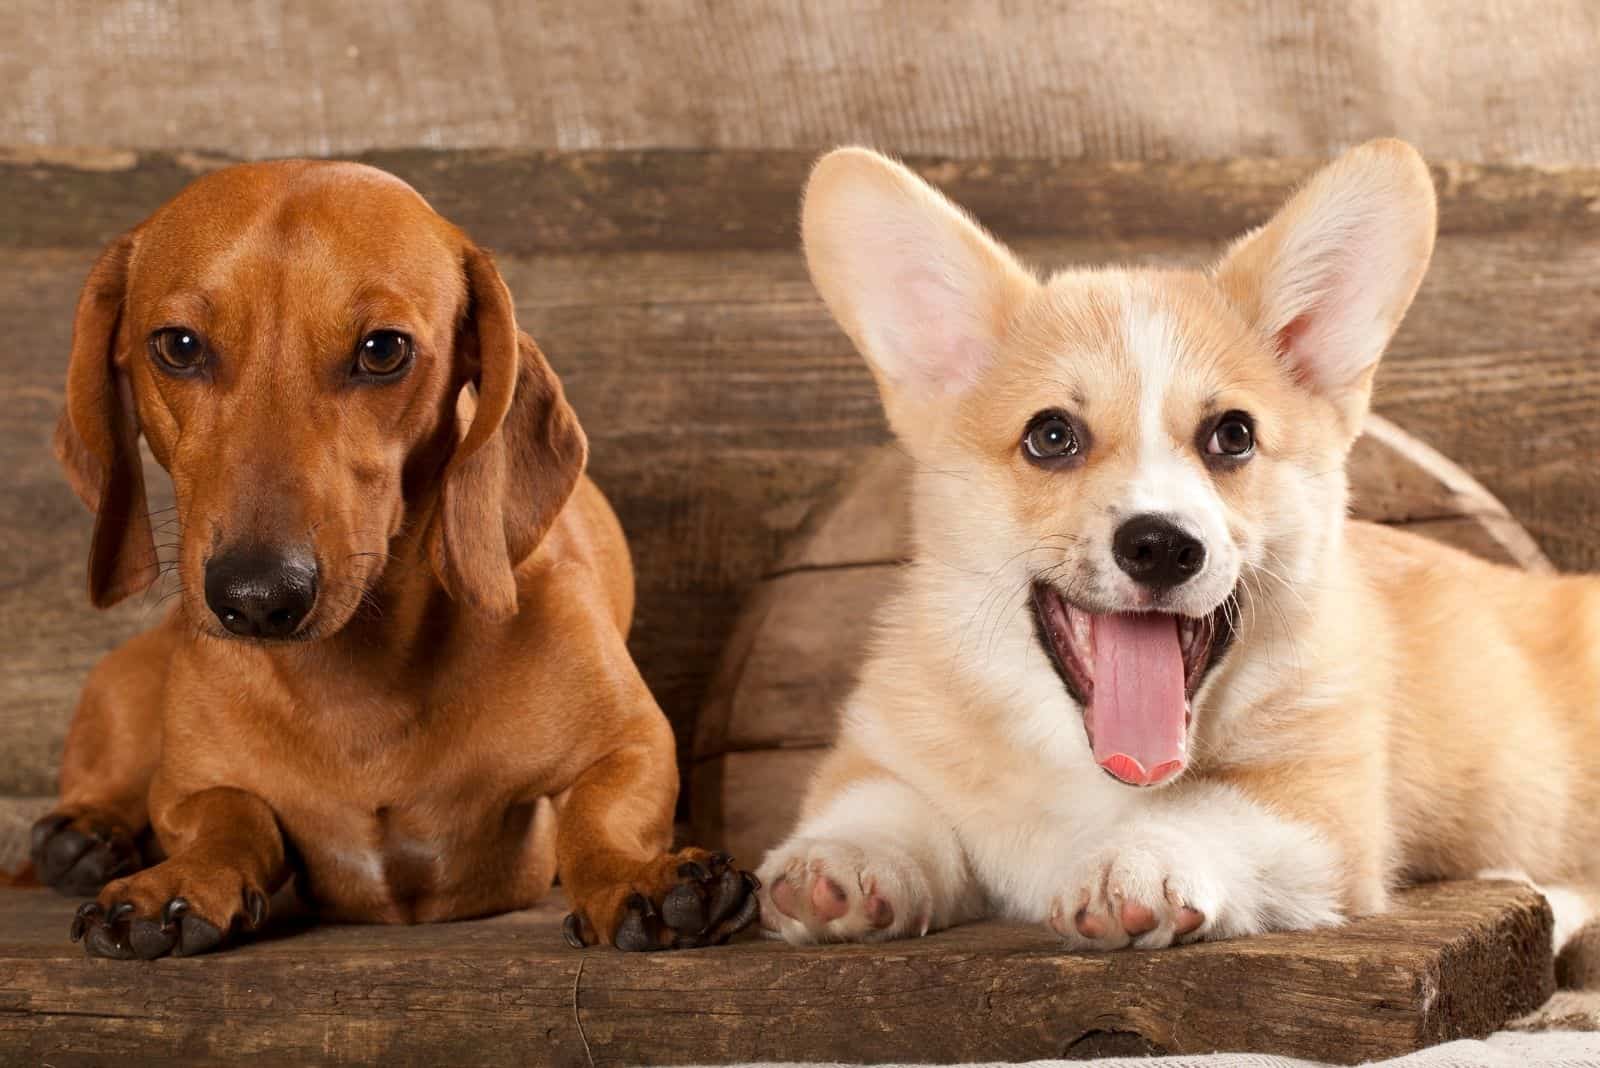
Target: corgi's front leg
x=1204 y=863
x=871 y=860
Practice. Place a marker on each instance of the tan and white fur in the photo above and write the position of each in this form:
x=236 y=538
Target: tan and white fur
x=1389 y=709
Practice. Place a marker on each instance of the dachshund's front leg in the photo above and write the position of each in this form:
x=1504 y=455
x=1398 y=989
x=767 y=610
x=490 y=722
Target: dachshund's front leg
x=613 y=832
x=227 y=859
x=98 y=829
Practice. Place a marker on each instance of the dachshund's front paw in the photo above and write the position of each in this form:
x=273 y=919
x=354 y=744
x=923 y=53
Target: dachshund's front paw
x=683 y=900
x=78 y=850
x=177 y=908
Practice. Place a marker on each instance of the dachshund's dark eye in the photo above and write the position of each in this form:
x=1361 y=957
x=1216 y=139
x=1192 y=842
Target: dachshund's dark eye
x=383 y=354
x=1233 y=437
x=1051 y=438
x=178 y=350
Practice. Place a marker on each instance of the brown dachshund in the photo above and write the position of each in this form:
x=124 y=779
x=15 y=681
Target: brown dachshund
x=396 y=666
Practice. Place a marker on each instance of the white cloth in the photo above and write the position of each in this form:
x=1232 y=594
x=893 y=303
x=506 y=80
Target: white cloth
x=1508 y=1049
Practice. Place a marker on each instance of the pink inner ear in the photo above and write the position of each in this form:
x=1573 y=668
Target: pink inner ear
x=938 y=333
x=1291 y=341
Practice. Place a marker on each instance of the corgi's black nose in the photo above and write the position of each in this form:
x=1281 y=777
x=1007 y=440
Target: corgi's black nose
x=1157 y=553
x=257 y=593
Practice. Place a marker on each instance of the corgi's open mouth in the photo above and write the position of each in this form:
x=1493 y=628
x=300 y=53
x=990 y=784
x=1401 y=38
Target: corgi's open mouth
x=1134 y=674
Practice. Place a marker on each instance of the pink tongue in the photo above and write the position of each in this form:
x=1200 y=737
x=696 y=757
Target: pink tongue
x=1138 y=709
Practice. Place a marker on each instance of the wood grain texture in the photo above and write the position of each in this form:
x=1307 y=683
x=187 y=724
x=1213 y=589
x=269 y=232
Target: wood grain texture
x=636 y=201
x=721 y=400
x=1452 y=960
x=17 y=815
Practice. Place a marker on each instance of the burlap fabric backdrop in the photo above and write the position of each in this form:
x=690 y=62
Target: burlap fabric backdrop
x=1504 y=80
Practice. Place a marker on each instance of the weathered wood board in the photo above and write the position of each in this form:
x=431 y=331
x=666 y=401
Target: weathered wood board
x=1453 y=960
x=721 y=400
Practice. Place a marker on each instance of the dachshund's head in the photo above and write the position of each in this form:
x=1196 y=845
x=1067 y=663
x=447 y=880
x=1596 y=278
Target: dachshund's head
x=326 y=367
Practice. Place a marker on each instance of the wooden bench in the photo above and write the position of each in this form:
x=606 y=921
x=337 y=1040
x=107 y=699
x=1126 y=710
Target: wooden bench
x=722 y=403
x=1453 y=960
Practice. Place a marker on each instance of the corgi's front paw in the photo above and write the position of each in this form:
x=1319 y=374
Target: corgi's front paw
x=830 y=890
x=1146 y=895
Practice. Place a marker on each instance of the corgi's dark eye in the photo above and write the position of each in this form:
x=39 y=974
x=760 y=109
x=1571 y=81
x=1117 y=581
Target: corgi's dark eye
x=178 y=350
x=1233 y=436
x=1051 y=438
x=383 y=354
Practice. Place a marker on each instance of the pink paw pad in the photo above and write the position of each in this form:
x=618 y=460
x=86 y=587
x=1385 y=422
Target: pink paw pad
x=1188 y=921
x=783 y=897
x=1137 y=919
x=1089 y=924
x=879 y=912
x=828 y=899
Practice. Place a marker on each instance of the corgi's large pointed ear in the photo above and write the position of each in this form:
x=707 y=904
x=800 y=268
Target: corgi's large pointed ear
x=518 y=459
x=97 y=437
x=1329 y=278
x=923 y=291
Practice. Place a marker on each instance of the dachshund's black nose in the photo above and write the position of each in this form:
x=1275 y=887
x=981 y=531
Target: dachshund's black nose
x=1157 y=553
x=261 y=593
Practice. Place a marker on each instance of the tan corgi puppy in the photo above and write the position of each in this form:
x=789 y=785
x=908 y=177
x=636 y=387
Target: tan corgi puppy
x=1144 y=681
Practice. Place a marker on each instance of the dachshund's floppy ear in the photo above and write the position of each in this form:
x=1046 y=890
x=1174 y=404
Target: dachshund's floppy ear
x=518 y=461
x=97 y=439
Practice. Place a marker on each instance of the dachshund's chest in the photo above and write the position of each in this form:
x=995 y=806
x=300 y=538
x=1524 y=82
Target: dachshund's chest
x=417 y=860
x=412 y=833
x=392 y=813
x=388 y=853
